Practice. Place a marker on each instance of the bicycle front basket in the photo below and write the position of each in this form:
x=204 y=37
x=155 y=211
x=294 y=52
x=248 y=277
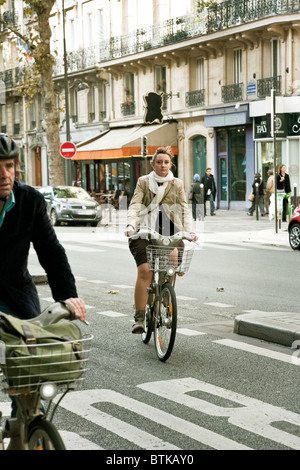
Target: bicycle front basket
x=163 y=258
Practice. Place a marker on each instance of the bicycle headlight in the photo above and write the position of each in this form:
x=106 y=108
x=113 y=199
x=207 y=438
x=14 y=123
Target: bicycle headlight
x=48 y=390
x=166 y=241
x=170 y=271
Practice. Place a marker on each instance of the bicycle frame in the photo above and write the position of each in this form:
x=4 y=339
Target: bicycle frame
x=31 y=420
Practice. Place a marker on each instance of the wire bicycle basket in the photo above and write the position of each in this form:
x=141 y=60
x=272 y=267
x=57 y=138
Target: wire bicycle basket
x=64 y=363
x=163 y=258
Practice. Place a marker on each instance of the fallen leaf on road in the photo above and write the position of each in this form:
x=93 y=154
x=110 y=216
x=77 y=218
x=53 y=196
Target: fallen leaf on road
x=220 y=289
x=112 y=292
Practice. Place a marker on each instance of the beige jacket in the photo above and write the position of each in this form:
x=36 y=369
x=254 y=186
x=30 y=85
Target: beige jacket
x=270 y=184
x=174 y=204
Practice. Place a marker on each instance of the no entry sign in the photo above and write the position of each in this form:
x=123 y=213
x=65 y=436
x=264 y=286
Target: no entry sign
x=68 y=150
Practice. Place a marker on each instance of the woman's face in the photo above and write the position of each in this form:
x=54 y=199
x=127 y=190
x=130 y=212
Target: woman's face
x=283 y=168
x=162 y=164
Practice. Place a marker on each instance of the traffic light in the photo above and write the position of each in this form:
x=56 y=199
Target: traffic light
x=144 y=146
x=153 y=108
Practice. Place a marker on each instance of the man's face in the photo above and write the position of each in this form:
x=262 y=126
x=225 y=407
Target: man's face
x=7 y=175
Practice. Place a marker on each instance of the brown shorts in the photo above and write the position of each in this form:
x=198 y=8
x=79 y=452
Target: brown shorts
x=138 y=250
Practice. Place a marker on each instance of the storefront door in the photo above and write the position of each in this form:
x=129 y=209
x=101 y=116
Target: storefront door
x=199 y=155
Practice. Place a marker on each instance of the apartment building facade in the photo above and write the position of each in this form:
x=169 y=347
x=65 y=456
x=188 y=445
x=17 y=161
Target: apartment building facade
x=216 y=67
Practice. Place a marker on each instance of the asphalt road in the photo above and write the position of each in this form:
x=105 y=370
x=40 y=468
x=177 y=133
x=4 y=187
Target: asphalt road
x=218 y=390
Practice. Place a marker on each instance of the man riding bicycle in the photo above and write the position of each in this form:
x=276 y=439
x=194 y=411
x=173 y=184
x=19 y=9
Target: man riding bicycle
x=24 y=220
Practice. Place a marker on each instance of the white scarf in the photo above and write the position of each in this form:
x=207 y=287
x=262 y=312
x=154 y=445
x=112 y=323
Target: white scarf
x=159 y=191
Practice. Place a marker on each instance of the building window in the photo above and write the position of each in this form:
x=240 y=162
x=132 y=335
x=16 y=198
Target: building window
x=275 y=57
x=17 y=117
x=161 y=82
x=200 y=74
x=237 y=61
x=128 y=107
x=3 y=118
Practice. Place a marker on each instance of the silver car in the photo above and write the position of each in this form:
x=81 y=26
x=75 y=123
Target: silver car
x=71 y=204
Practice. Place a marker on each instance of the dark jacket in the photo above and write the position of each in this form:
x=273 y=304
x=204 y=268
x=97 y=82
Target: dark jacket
x=285 y=184
x=260 y=187
x=28 y=222
x=209 y=183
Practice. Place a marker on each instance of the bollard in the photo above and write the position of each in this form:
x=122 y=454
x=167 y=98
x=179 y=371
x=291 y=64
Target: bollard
x=256 y=200
x=295 y=197
x=202 y=201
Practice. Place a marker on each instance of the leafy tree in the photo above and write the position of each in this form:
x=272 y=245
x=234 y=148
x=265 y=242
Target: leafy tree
x=40 y=79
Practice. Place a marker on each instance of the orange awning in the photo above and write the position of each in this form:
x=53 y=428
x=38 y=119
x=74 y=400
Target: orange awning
x=126 y=142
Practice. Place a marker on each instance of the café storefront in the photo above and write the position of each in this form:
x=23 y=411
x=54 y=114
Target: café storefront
x=112 y=161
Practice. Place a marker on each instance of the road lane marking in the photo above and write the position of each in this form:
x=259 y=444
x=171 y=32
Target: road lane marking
x=110 y=313
x=218 y=304
x=245 y=412
x=255 y=350
x=81 y=403
x=188 y=332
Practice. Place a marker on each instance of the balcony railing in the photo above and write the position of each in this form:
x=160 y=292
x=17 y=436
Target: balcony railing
x=194 y=98
x=232 y=92
x=127 y=109
x=265 y=85
x=217 y=17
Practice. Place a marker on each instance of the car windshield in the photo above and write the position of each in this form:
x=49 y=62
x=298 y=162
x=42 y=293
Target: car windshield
x=71 y=193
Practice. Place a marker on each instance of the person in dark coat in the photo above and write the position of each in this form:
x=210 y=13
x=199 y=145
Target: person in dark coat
x=283 y=185
x=195 y=197
x=260 y=197
x=24 y=220
x=210 y=190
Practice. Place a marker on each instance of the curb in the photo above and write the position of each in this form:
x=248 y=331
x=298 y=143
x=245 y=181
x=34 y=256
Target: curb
x=280 y=328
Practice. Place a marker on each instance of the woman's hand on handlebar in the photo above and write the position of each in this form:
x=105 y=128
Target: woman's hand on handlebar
x=78 y=305
x=129 y=231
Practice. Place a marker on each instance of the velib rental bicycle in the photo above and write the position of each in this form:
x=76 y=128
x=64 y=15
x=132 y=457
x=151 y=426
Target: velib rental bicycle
x=49 y=358
x=167 y=256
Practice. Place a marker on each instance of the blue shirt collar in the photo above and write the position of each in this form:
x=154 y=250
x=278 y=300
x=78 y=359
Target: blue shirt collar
x=7 y=206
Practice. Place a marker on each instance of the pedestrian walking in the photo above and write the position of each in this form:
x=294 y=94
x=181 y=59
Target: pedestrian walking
x=195 y=197
x=210 y=190
x=259 y=199
x=269 y=189
x=284 y=186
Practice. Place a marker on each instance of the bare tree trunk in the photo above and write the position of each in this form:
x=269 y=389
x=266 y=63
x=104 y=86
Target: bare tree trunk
x=44 y=63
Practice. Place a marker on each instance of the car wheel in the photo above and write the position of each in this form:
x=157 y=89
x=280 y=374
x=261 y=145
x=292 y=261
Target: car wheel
x=53 y=218
x=294 y=236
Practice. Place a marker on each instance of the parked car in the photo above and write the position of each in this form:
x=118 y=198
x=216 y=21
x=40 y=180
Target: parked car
x=294 y=229
x=71 y=204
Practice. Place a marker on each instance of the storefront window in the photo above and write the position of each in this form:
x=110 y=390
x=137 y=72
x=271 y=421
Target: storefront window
x=237 y=164
x=293 y=164
x=265 y=156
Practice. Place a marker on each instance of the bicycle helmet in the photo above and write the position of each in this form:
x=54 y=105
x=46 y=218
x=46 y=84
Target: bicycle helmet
x=8 y=147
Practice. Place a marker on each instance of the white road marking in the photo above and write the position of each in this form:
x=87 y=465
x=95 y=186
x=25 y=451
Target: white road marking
x=255 y=350
x=110 y=313
x=188 y=332
x=182 y=297
x=218 y=304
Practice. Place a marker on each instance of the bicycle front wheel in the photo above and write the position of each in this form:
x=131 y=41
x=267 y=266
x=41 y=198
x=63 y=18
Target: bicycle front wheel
x=43 y=435
x=165 y=322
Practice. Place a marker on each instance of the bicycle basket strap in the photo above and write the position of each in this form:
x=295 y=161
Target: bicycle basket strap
x=47 y=353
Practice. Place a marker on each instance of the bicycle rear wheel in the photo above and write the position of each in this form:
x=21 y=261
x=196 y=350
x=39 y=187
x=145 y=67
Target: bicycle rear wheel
x=165 y=322
x=43 y=435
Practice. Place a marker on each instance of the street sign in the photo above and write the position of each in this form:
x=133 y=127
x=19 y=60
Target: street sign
x=68 y=150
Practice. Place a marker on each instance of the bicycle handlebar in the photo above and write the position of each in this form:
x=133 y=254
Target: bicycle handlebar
x=56 y=312
x=161 y=240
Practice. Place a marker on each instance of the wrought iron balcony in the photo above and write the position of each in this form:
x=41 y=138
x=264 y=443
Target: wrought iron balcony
x=232 y=92
x=194 y=98
x=127 y=109
x=220 y=16
x=265 y=85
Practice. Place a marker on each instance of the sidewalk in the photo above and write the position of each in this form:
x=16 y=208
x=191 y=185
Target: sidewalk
x=232 y=227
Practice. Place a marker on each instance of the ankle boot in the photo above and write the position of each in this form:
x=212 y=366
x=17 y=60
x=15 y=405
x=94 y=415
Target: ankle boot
x=139 y=319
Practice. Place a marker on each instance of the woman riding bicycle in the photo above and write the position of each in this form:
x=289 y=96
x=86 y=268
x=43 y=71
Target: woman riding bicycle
x=159 y=202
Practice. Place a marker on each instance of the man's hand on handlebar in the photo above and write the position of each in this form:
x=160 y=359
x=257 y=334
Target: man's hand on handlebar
x=78 y=305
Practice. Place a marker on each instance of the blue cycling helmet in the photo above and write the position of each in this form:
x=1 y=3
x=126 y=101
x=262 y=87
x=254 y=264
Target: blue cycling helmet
x=196 y=177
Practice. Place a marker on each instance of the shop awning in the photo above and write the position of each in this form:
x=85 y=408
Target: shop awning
x=125 y=142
